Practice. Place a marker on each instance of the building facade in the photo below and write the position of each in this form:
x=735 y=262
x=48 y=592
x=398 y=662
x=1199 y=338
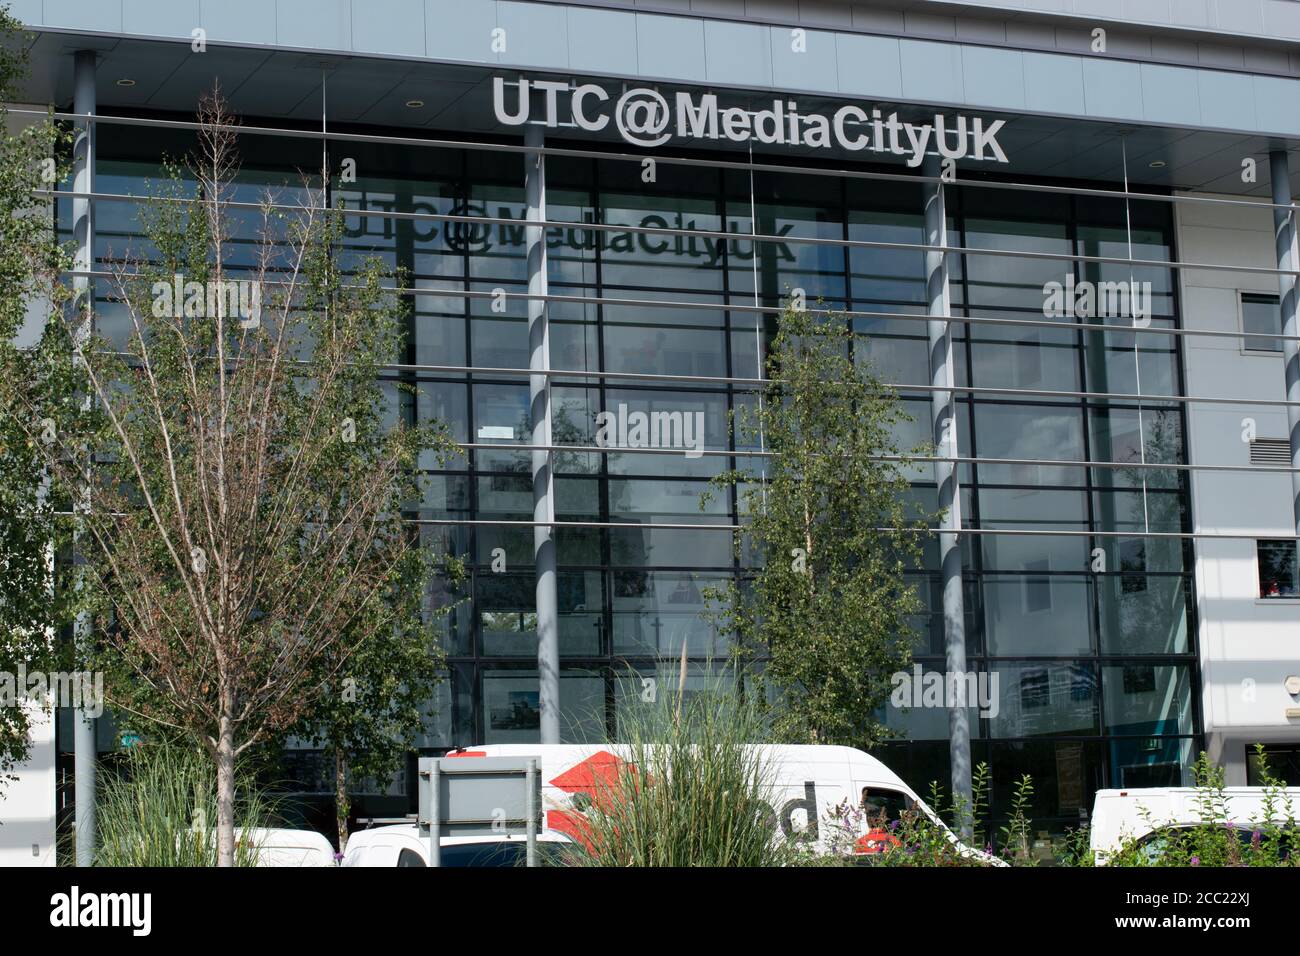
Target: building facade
x=1114 y=307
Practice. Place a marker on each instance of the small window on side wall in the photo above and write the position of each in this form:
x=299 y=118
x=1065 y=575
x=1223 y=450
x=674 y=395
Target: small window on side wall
x=1261 y=314
x=1277 y=569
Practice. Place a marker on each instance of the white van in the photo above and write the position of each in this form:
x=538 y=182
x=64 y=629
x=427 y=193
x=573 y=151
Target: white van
x=284 y=847
x=808 y=783
x=402 y=845
x=1119 y=816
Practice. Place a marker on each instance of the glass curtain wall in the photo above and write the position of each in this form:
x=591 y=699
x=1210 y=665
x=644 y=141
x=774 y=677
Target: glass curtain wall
x=1089 y=638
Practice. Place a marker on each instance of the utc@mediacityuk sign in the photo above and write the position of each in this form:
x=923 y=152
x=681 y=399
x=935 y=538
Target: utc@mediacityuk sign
x=644 y=117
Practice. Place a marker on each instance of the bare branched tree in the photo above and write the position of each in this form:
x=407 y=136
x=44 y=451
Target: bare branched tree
x=249 y=468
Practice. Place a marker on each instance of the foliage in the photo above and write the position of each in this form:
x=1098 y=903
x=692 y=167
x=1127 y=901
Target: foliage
x=158 y=811
x=690 y=789
x=830 y=531
x=1271 y=839
x=32 y=607
x=244 y=503
x=914 y=837
x=372 y=706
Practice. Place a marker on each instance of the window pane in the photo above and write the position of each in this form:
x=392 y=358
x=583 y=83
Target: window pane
x=1261 y=313
x=1277 y=569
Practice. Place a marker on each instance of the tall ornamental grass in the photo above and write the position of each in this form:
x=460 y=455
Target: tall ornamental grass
x=161 y=810
x=689 y=790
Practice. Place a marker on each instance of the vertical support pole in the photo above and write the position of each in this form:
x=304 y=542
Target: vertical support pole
x=435 y=812
x=944 y=434
x=1284 y=233
x=539 y=393
x=83 y=232
x=530 y=809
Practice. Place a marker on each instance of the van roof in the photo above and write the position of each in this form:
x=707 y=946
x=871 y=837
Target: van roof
x=862 y=767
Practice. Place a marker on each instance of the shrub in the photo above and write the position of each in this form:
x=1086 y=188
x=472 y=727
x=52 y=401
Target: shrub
x=1215 y=839
x=161 y=810
x=690 y=789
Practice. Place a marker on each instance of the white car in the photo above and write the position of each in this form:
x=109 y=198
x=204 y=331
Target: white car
x=284 y=847
x=402 y=845
x=807 y=782
x=1119 y=816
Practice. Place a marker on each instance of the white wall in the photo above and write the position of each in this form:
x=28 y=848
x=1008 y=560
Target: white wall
x=1248 y=646
x=27 y=804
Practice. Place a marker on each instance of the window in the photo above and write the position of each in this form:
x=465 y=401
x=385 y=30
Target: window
x=1260 y=313
x=1035 y=689
x=1133 y=564
x=882 y=806
x=1281 y=760
x=1277 y=569
x=1038 y=587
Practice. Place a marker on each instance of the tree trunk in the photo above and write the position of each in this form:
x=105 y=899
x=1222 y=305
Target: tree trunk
x=225 y=792
x=341 y=806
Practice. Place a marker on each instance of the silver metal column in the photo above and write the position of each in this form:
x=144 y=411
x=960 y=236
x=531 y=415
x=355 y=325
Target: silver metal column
x=944 y=423
x=83 y=232
x=1284 y=232
x=539 y=390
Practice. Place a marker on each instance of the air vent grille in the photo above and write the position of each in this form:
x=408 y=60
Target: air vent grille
x=1270 y=451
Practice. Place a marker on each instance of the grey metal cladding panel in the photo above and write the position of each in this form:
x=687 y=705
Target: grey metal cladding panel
x=869 y=18
x=1281 y=18
x=868 y=66
x=1277 y=105
x=1112 y=88
x=1099 y=8
x=1190 y=13
x=314 y=24
x=102 y=16
x=994 y=76
x=1240 y=16
x=1171 y=93
x=1227 y=100
x=161 y=18
x=536 y=34
x=388 y=26
x=603 y=41
x=718 y=8
x=808 y=61
x=239 y=21
x=1054 y=84
x=460 y=30
x=825 y=13
x=26 y=11
x=670 y=47
x=737 y=53
x=931 y=71
x=1148 y=11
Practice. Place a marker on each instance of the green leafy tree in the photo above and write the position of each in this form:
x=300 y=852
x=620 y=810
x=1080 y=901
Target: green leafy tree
x=244 y=509
x=32 y=608
x=830 y=530
x=372 y=704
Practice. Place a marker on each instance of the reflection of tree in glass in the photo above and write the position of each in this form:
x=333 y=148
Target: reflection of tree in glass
x=1150 y=608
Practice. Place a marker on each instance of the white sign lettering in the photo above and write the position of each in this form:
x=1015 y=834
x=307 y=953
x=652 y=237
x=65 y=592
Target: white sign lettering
x=645 y=117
